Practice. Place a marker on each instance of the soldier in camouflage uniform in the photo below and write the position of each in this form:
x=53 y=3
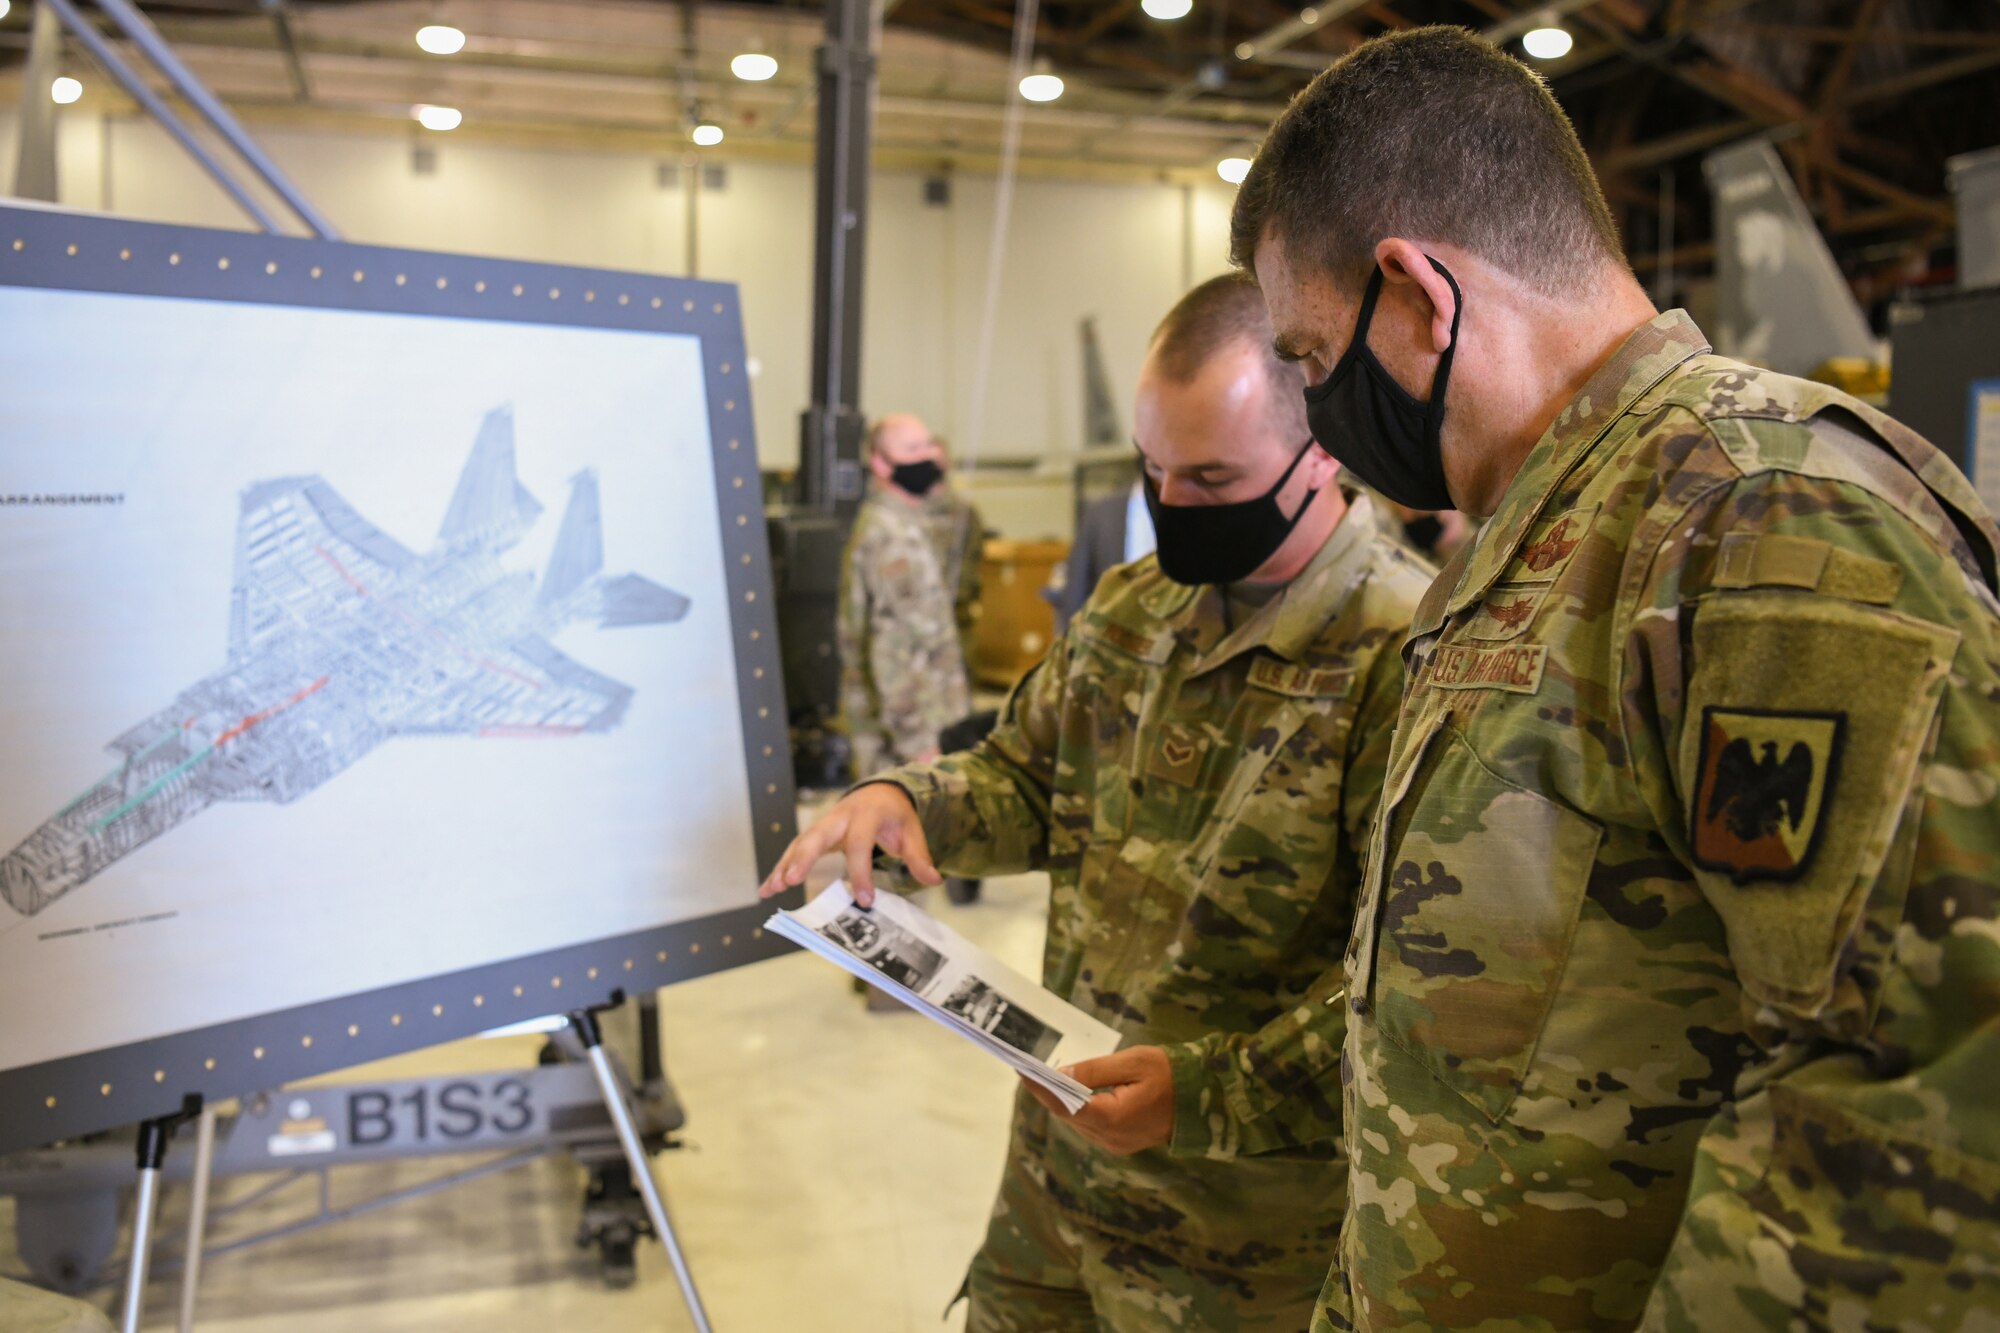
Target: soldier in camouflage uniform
x=908 y=590
x=1675 y=980
x=1196 y=767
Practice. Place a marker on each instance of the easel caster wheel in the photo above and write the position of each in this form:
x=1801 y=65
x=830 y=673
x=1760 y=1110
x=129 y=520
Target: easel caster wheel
x=616 y=1250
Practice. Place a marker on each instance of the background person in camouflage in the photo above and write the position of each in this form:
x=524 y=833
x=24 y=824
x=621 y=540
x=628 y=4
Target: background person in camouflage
x=1675 y=982
x=909 y=586
x=1195 y=766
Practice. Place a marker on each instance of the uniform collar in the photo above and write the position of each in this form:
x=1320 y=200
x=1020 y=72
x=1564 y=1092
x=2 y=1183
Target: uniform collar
x=1648 y=355
x=1289 y=623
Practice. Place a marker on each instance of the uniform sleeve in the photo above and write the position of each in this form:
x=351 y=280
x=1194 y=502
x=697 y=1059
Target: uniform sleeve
x=986 y=810
x=1237 y=1094
x=859 y=709
x=1826 y=708
x=965 y=599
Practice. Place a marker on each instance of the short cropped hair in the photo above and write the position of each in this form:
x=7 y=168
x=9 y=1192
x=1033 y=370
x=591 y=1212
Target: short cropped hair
x=1225 y=310
x=1430 y=134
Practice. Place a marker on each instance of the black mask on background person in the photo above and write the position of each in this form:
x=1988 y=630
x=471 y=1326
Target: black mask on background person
x=917 y=478
x=1223 y=543
x=1361 y=416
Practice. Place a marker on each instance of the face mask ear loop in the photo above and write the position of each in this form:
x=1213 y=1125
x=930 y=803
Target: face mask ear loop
x=1441 y=379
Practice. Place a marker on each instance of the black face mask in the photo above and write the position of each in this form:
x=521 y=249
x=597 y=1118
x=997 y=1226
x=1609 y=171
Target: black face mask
x=917 y=478
x=1361 y=416
x=1424 y=531
x=1223 y=543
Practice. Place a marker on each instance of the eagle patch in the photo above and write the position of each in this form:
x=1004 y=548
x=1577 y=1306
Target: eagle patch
x=1765 y=779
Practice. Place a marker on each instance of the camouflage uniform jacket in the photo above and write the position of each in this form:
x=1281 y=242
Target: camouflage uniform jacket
x=958 y=536
x=902 y=668
x=1675 y=981
x=1198 y=796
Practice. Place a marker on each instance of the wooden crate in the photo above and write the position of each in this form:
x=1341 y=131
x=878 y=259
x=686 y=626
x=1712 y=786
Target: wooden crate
x=1015 y=624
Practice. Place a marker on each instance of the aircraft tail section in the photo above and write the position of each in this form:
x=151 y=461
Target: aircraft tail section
x=490 y=508
x=631 y=599
x=579 y=552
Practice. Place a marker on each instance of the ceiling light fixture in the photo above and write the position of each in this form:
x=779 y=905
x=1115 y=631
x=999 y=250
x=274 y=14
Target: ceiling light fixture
x=437 y=117
x=1167 y=9
x=1550 y=43
x=65 y=90
x=706 y=135
x=1041 y=86
x=441 y=39
x=5 y=5
x=1233 y=169
x=755 y=66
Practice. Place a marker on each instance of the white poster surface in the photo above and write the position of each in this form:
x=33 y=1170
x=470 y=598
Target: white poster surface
x=346 y=649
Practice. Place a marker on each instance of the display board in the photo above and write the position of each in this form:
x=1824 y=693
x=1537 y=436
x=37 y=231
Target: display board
x=389 y=655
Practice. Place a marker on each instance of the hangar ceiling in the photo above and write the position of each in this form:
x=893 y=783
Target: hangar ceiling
x=1866 y=98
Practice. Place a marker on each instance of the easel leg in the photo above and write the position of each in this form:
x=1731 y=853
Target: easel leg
x=585 y=1024
x=197 y=1230
x=154 y=1136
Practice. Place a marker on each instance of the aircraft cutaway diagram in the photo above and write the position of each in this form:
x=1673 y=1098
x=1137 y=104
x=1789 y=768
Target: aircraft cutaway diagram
x=341 y=638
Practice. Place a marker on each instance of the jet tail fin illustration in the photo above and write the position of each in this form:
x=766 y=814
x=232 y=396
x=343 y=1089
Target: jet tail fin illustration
x=631 y=599
x=490 y=508
x=579 y=552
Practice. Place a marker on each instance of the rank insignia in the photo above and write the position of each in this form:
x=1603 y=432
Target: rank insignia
x=1762 y=789
x=1178 y=759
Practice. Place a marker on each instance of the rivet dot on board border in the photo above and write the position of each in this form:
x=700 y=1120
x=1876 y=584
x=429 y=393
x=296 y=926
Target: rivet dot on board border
x=718 y=307
x=124 y=254
x=222 y=263
x=359 y=275
x=479 y=286
x=695 y=947
x=395 y=1020
x=688 y=306
x=353 y=1029
x=306 y=1042
x=176 y=259
x=159 y=1076
x=589 y=296
x=104 y=1091
x=441 y=284
x=270 y=267
x=72 y=252
x=656 y=303
x=555 y=293
x=519 y=992
x=257 y=1053
x=624 y=298
x=518 y=289
x=663 y=955
x=402 y=278
x=555 y=983
x=479 y=1002
x=50 y=1103
x=315 y=271
x=628 y=964
x=209 y=1064
x=20 y=244
x=591 y=975
x=437 y=1011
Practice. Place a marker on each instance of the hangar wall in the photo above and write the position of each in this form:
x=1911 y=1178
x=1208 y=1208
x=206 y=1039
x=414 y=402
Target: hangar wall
x=1119 y=251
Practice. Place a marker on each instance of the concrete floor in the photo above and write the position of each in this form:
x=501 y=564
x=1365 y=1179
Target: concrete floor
x=837 y=1170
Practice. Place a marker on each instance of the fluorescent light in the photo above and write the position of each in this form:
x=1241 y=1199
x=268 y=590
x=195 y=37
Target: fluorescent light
x=441 y=39
x=1167 y=9
x=1041 y=87
x=1547 y=43
x=437 y=117
x=5 y=5
x=706 y=135
x=755 y=66
x=1233 y=169
x=65 y=90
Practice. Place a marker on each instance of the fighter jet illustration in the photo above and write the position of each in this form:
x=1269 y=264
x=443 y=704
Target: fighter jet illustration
x=340 y=638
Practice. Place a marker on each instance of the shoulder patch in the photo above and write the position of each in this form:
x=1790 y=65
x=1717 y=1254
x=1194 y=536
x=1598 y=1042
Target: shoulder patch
x=1764 y=779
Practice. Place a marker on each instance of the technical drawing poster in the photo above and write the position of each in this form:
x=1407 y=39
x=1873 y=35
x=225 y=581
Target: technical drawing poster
x=345 y=649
